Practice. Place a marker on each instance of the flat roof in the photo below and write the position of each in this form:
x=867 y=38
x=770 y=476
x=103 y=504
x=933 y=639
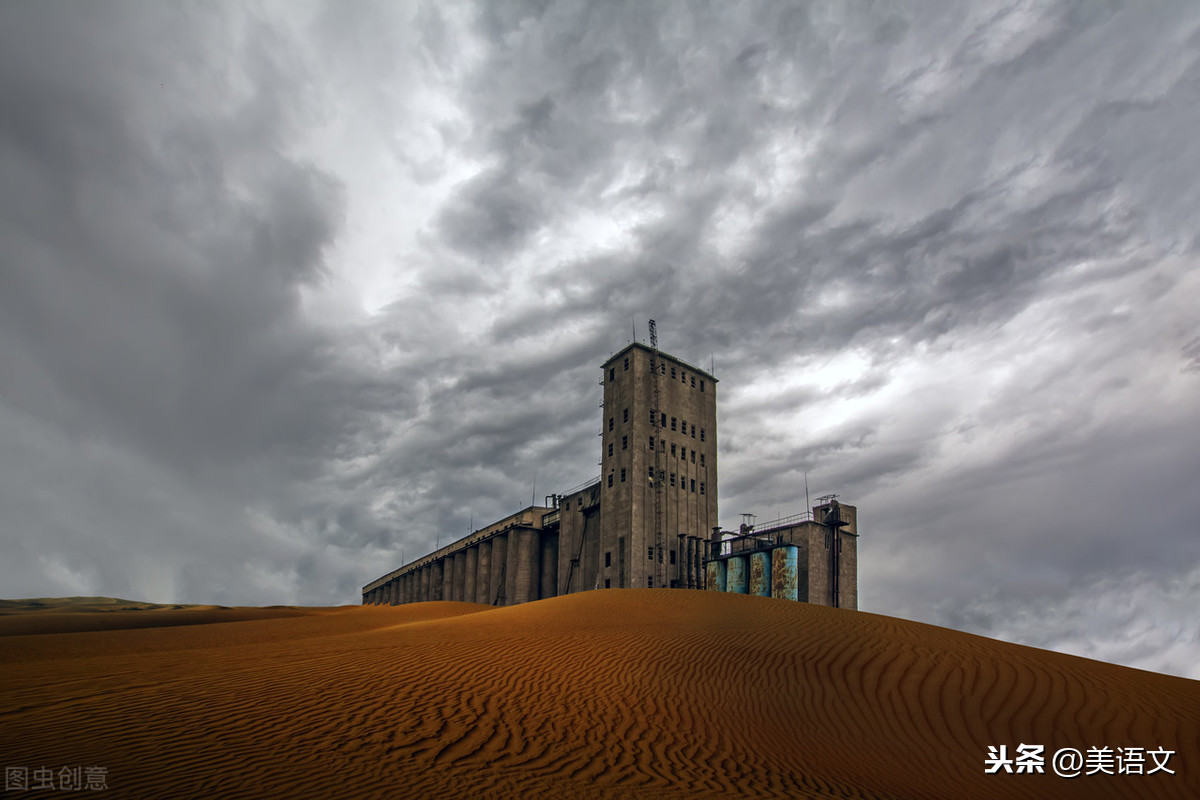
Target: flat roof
x=661 y=354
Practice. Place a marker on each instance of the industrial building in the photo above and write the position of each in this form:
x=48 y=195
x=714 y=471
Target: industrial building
x=648 y=520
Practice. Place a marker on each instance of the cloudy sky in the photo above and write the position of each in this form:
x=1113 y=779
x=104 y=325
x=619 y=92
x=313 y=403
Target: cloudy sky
x=288 y=291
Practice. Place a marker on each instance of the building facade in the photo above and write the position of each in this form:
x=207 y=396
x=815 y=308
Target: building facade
x=649 y=520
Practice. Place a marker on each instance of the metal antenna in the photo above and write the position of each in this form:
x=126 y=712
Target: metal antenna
x=807 y=502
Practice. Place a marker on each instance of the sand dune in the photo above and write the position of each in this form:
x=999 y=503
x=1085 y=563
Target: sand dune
x=623 y=693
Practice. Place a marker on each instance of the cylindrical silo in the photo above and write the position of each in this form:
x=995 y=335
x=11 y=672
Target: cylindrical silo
x=715 y=576
x=760 y=574
x=784 y=562
x=735 y=575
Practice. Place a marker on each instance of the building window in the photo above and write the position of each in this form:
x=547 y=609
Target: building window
x=682 y=377
x=581 y=502
x=651 y=443
x=701 y=434
x=610 y=423
x=625 y=415
x=650 y=473
x=624 y=442
x=672 y=373
x=612 y=375
x=610 y=448
x=672 y=423
x=672 y=478
x=672 y=556
x=701 y=457
x=672 y=450
x=702 y=386
x=610 y=479
x=683 y=453
x=652 y=417
x=693 y=381
x=627 y=363
x=608 y=559
x=693 y=455
x=701 y=487
x=662 y=368
x=694 y=432
x=649 y=581
x=650 y=553
x=664 y=420
x=693 y=480
x=683 y=425
x=623 y=478
x=607 y=583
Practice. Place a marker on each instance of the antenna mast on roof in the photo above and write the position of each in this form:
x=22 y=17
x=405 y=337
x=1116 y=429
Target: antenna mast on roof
x=659 y=447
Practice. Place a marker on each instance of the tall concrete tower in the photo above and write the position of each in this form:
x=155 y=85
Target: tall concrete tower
x=658 y=469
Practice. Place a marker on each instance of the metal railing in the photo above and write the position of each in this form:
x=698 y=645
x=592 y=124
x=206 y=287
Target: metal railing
x=784 y=522
x=581 y=486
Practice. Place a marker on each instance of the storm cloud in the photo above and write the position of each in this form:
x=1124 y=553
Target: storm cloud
x=292 y=292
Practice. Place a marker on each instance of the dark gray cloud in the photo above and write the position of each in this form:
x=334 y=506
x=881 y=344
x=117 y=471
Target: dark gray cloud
x=286 y=292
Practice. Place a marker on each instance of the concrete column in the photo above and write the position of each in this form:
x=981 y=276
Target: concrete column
x=426 y=583
x=499 y=556
x=735 y=575
x=529 y=563
x=716 y=576
x=483 y=572
x=698 y=560
x=406 y=588
x=689 y=574
x=760 y=574
x=548 y=544
x=472 y=561
x=447 y=563
x=437 y=576
x=460 y=575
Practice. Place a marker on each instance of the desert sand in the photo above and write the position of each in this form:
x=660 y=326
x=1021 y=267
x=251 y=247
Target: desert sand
x=619 y=693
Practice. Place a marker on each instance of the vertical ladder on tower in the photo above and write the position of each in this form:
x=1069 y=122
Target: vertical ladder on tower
x=659 y=447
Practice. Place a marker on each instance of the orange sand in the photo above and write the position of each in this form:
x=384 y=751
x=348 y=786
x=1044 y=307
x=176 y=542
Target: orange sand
x=621 y=693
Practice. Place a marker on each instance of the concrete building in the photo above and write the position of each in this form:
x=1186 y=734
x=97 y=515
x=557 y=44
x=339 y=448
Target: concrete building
x=649 y=519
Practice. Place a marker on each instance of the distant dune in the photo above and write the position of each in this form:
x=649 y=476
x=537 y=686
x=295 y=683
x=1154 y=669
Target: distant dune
x=620 y=693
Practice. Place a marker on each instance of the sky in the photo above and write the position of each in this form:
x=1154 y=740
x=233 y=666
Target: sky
x=291 y=292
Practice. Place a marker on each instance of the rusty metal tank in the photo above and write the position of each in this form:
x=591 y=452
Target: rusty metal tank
x=735 y=575
x=760 y=574
x=784 y=563
x=715 y=576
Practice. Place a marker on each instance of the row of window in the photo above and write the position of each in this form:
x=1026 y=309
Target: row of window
x=676 y=424
x=683 y=451
x=682 y=481
x=682 y=425
x=662 y=369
